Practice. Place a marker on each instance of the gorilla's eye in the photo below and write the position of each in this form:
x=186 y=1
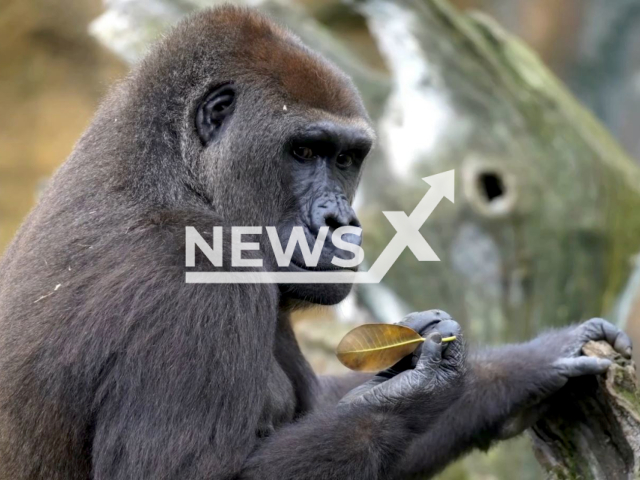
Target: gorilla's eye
x=303 y=153
x=345 y=160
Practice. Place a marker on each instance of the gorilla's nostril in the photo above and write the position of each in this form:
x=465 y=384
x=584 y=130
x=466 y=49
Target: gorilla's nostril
x=332 y=222
x=332 y=214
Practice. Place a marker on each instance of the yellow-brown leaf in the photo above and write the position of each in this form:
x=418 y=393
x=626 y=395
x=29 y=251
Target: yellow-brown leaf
x=374 y=347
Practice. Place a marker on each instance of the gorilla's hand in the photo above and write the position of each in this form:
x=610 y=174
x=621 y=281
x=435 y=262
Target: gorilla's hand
x=420 y=382
x=558 y=355
x=561 y=350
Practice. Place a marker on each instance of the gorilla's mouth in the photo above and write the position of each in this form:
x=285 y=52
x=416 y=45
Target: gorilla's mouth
x=320 y=268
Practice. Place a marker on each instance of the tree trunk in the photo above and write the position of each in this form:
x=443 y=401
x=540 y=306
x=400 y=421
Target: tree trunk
x=592 y=430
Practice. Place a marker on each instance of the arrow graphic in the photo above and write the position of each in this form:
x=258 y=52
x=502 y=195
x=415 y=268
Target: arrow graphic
x=407 y=236
x=408 y=228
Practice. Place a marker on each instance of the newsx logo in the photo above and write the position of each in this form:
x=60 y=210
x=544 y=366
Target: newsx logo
x=407 y=236
x=283 y=257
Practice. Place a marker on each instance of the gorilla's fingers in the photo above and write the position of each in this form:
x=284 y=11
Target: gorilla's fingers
x=451 y=328
x=579 y=366
x=600 y=329
x=431 y=354
x=421 y=321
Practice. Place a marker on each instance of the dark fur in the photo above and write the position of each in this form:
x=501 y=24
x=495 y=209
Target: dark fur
x=112 y=367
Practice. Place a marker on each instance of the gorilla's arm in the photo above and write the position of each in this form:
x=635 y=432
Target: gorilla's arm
x=503 y=392
x=496 y=385
x=333 y=444
x=365 y=435
x=332 y=388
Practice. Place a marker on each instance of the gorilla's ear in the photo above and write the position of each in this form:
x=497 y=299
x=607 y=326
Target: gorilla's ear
x=214 y=113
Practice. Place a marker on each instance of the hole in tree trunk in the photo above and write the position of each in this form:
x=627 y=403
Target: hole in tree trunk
x=491 y=186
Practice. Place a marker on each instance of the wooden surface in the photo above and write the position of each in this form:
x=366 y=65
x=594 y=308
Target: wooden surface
x=592 y=431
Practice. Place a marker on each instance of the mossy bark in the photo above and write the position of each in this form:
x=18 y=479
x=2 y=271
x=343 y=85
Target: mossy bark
x=592 y=428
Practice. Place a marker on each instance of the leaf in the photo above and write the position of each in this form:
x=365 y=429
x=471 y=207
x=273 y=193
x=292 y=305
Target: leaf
x=376 y=346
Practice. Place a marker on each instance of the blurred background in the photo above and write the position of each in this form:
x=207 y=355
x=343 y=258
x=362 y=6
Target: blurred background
x=534 y=103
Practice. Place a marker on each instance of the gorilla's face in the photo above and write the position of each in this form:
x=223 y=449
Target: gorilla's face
x=324 y=159
x=287 y=152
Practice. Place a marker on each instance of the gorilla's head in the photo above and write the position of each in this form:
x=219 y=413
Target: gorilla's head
x=272 y=134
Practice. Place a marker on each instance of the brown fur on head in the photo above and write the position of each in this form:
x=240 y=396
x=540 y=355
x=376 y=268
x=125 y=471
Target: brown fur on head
x=256 y=46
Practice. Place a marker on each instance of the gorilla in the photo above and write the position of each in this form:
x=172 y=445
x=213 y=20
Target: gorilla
x=113 y=367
